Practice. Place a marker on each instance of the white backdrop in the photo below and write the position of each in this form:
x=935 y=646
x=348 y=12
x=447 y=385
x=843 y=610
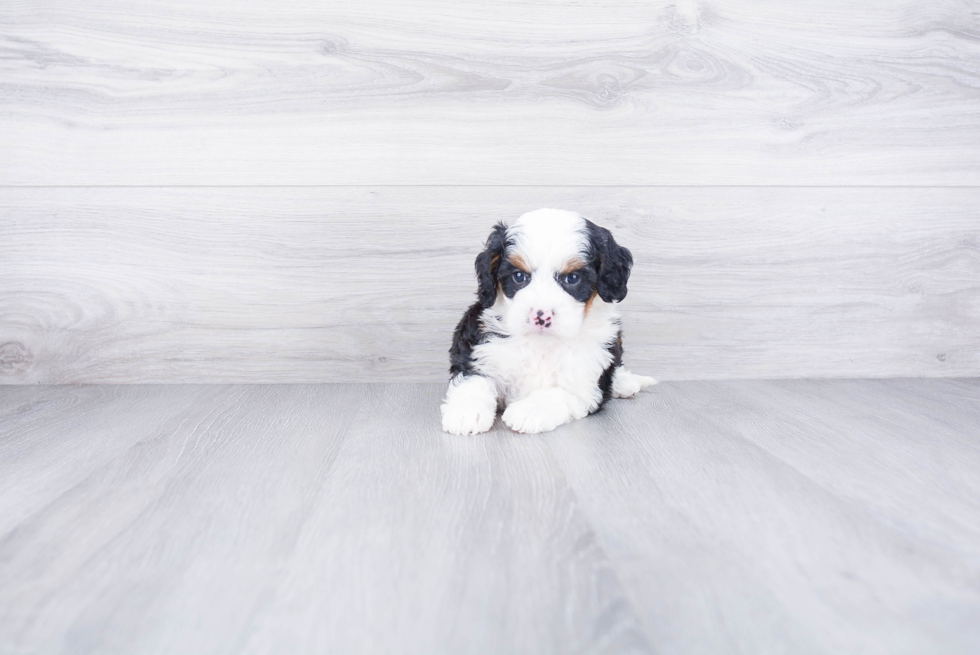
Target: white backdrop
x=295 y=191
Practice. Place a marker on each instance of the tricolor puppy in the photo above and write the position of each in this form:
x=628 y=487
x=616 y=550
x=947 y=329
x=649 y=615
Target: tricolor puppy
x=544 y=337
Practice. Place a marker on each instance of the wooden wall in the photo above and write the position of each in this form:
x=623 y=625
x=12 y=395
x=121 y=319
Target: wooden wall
x=295 y=191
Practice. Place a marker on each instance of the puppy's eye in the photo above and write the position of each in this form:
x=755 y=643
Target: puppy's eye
x=520 y=277
x=571 y=279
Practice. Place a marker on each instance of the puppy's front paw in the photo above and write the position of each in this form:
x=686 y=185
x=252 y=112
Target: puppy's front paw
x=627 y=385
x=529 y=416
x=467 y=418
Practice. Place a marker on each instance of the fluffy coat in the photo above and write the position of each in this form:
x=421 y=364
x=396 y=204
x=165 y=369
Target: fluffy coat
x=544 y=339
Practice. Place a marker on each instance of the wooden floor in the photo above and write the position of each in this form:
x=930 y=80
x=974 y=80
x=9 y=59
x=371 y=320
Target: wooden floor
x=702 y=517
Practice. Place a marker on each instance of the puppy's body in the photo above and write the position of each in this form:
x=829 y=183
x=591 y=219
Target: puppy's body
x=544 y=337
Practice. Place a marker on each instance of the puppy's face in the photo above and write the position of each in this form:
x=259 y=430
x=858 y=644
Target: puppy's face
x=544 y=273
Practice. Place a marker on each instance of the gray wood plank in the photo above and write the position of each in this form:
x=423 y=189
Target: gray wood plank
x=304 y=519
x=63 y=435
x=426 y=543
x=429 y=92
x=875 y=434
x=175 y=538
x=751 y=517
x=19 y=399
x=365 y=284
x=963 y=393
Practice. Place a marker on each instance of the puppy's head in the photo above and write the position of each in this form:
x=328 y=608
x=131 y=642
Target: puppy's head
x=544 y=273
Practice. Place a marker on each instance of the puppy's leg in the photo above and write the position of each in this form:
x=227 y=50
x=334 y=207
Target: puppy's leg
x=627 y=385
x=470 y=405
x=544 y=410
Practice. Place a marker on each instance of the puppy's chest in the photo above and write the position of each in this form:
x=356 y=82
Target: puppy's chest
x=521 y=365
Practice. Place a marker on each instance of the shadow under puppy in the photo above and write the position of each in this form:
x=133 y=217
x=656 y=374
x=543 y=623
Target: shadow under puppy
x=544 y=338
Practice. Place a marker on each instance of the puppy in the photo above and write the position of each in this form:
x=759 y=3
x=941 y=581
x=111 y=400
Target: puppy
x=544 y=337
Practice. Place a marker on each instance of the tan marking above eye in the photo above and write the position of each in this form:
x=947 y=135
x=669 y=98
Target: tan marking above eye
x=571 y=266
x=518 y=261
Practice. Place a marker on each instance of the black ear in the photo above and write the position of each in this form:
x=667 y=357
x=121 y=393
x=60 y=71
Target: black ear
x=612 y=261
x=487 y=263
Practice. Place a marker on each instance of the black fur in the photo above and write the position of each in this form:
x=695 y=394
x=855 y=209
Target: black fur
x=505 y=275
x=468 y=333
x=611 y=261
x=487 y=263
x=606 y=379
x=581 y=290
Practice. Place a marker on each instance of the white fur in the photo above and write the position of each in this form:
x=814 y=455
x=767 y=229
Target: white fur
x=627 y=385
x=471 y=405
x=546 y=239
x=546 y=377
x=523 y=363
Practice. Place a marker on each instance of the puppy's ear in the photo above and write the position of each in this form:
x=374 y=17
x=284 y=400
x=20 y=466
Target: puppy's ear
x=487 y=263
x=613 y=262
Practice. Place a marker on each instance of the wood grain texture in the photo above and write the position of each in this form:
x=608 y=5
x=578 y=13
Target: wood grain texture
x=450 y=92
x=362 y=284
x=701 y=517
x=425 y=543
x=297 y=519
x=790 y=516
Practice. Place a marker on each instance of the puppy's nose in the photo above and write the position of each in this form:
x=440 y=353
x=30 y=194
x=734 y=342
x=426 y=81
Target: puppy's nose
x=541 y=318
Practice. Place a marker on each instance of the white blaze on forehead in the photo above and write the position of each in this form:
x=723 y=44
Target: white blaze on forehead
x=548 y=238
